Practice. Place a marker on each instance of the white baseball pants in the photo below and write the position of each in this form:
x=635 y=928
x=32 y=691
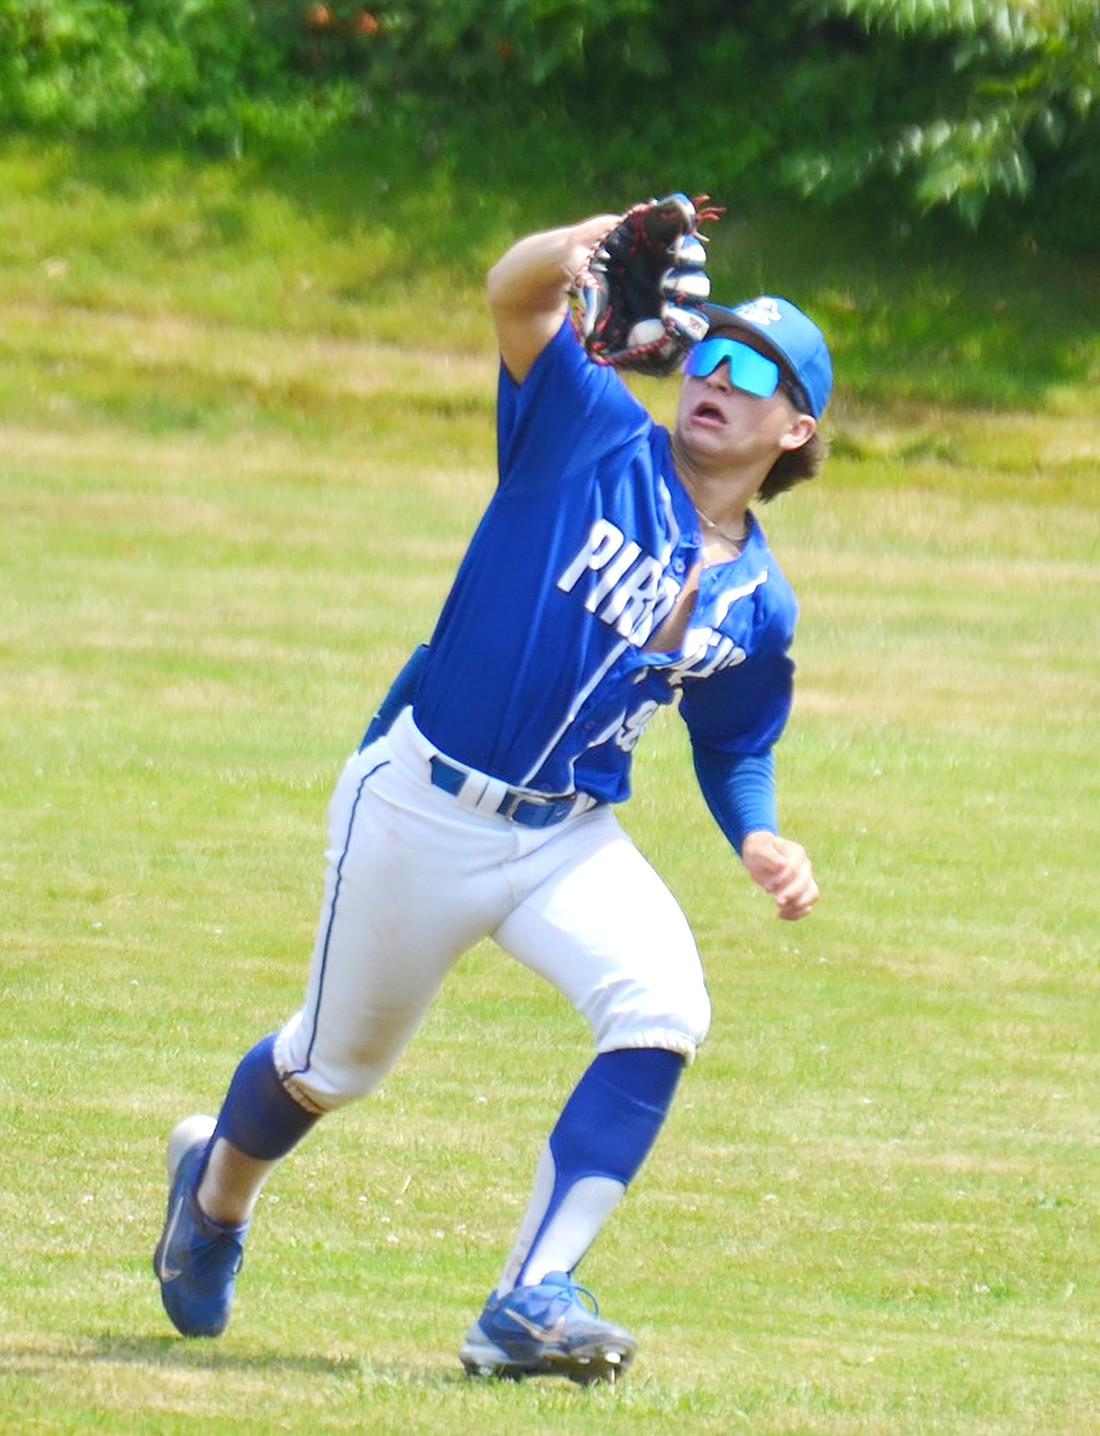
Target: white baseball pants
x=414 y=879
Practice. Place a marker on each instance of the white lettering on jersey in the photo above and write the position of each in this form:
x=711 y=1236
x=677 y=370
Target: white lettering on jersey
x=706 y=650
x=611 y=574
x=604 y=539
x=633 y=594
x=633 y=599
x=634 y=725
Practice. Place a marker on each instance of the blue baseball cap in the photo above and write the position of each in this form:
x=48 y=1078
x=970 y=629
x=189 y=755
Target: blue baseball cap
x=793 y=337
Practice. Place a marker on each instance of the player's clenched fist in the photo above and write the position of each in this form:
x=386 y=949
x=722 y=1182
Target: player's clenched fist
x=781 y=867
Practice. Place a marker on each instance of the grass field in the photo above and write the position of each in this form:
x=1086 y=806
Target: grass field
x=243 y=444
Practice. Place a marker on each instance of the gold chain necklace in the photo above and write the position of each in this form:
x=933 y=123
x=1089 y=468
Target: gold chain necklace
x=735 y=540
x=687 y=478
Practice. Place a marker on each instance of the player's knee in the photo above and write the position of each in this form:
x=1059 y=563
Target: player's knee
x=677 y=1021
x=321 y=1080
x=325 y=1088
x=693 y=1018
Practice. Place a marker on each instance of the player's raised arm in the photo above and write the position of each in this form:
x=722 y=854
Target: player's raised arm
x=640 y=280
x=529 y=286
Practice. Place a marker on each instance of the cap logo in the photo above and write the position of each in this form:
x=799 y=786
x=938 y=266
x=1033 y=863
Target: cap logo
x=760 y=311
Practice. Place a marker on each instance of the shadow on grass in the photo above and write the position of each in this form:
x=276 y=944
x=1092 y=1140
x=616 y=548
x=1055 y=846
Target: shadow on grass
x=43 y=1359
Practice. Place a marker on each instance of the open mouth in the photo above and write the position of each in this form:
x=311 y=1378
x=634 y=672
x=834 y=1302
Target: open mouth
x=708 y=413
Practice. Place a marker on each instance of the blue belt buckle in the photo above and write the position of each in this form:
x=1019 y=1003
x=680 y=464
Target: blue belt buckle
x=530 y=813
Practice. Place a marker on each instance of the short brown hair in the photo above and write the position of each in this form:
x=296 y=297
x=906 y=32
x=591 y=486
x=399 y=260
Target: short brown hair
x=794 y=466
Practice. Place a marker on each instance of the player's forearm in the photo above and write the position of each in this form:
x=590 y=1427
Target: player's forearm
x=536 y=273
x=739 y=790
x=529 y=287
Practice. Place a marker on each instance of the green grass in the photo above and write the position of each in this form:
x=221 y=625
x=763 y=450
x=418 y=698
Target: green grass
x=241 y=455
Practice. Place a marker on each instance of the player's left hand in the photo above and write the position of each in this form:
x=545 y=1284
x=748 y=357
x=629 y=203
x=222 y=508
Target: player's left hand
x=782 y=868
x=638 y=298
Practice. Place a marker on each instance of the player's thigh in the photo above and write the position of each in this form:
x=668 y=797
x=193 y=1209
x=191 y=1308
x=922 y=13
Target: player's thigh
x=405 y=895
x=605 y=930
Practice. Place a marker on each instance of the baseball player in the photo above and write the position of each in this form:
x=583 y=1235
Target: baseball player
x=617 y=568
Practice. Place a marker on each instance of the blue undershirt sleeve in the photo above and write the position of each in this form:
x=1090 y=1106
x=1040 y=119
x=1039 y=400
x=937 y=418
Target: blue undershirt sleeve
x=739 y=789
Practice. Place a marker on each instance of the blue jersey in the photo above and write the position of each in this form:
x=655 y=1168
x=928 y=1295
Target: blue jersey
x=541 y=670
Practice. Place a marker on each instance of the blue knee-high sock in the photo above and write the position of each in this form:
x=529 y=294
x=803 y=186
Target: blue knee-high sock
x=258 y=1115
x=615 y=1112
x=601 y=1139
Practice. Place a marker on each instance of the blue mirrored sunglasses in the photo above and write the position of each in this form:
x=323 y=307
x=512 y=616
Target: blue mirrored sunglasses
x=748 y=369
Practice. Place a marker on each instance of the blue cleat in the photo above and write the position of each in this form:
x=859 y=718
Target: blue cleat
x=546 y=1330
x=196 y=1260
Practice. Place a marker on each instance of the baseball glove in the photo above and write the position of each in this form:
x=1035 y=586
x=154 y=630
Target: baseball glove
x=637 y=297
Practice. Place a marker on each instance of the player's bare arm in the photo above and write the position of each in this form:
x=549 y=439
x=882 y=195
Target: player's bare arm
x=782 y=868
x=529 y=286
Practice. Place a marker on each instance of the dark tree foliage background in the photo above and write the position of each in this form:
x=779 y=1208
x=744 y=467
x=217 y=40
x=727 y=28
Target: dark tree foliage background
x=988 y=110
